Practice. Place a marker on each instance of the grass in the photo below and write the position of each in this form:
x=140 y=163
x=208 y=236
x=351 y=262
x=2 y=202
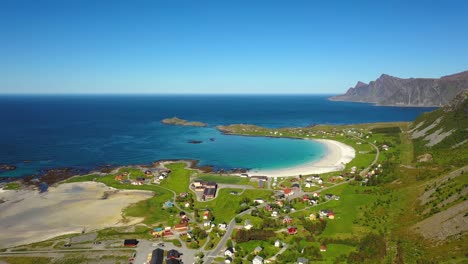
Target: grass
x=229 y=179
x=225 y=205
x=26 y=260
x=179 y=178
x=120 y=233
x=12 y=186
x=269 y=248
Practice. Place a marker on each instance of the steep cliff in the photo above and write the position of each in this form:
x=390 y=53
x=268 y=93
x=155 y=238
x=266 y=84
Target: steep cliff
x=389 y=90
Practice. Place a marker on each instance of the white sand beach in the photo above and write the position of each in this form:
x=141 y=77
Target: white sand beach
x=29 y=216
x=338 y=154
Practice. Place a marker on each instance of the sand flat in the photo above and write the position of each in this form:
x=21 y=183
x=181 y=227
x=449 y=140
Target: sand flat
x=338 y=154
x=28 y=216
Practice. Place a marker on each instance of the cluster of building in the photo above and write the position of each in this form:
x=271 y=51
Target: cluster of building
x=158 y=175
x=208 y=188
x=172 y=257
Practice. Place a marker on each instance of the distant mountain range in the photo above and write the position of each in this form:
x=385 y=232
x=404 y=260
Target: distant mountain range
x=389 y=90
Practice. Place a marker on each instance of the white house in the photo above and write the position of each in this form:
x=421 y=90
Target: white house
x=277 y=243
x=229 y=252
x=257 y=260
x=247 y=224
x=259 y=201
x=222 y=226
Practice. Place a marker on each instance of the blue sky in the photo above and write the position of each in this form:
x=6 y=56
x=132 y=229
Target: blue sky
x=197 y=46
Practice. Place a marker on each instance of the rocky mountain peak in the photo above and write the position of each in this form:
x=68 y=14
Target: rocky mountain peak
x=390 y=90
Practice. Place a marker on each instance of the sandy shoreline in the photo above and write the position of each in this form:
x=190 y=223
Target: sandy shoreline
x=338 y=154
x=28 y=216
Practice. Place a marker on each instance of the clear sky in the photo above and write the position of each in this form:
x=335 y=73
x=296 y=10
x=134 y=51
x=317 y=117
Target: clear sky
x=223 y=46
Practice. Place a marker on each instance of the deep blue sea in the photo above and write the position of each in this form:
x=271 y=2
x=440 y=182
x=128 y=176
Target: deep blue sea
x=89 y=131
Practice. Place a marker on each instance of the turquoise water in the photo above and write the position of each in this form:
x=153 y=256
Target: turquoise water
x=90 y=131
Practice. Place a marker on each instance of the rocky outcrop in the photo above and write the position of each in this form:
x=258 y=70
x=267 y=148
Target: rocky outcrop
x=7 y=167
x=181 y=122
x=389 y=90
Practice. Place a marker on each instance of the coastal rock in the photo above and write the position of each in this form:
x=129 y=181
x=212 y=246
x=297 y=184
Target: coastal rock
x=389 y=90
x=7 y=167
x=52 y=176
x=181 y=122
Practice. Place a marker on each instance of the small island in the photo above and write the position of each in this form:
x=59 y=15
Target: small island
x=181 y=122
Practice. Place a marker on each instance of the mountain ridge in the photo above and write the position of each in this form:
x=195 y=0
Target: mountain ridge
x=394 y=91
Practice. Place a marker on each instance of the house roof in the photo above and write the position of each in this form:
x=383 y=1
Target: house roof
x=230 y=249
x=157 y=257
x=182 y=225
x=287 y=191
x=173 y=254
x=130 y=242
x=209 y=191
x=172 y=261
x=258 y=258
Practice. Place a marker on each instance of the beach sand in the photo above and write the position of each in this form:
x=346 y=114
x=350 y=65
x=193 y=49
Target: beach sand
x=338 y=154
x=28 y=216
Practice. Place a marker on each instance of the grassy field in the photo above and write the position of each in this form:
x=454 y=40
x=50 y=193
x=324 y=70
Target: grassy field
x=26 y=260
x=225 y=205
x=179 y=178
x=228 y=179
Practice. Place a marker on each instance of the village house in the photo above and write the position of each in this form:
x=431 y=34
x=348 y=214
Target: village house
x=277 y=243
x=222 y=226
x=296 y=186
x=292 y=230
x=229 y=252
x=206 y=214
x=287 y=220
x=247 y=224
x=168 y=232
x=182 y=227
x=261 y=184
x=228 y=260
x=209 y=193
x=274 y=214
x=288 y=192
x=157 y=256
x=257 y=250
x=326 y=213
x=257 y=260
x=207 y=223
x=302 y=261
x=157 y=232
x=259 y=201
x=173 y=254
x=312 y=217
x=323 y=248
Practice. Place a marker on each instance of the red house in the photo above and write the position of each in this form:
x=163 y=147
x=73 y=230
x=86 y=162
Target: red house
x=292 y=230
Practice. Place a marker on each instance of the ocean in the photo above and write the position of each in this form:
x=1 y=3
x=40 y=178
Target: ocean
x=86 y=131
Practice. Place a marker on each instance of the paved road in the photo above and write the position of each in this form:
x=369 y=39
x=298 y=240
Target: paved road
x=222 y=243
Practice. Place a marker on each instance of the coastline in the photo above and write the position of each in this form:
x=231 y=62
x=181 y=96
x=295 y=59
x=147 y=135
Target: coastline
x=29 y=216
x=337 y=156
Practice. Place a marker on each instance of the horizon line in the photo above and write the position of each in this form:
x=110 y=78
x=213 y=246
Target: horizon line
x=159 y=94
